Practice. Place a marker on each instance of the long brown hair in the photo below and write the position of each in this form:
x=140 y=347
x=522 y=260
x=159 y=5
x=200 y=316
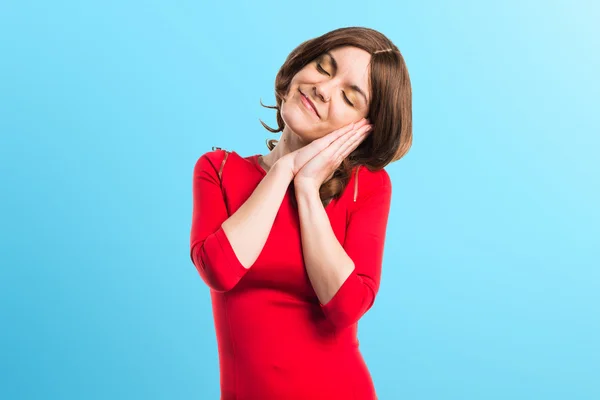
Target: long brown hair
x=390 y=111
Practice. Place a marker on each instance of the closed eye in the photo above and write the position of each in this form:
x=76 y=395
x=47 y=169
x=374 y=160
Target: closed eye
x=320 y=69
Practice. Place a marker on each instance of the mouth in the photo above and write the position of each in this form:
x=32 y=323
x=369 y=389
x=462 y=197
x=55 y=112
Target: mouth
x=309 y=104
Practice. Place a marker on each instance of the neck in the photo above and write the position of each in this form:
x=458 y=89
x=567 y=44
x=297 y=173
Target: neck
x=288 y=143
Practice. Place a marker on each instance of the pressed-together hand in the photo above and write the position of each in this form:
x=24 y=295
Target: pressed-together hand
x=319 y=159
x=297 y=159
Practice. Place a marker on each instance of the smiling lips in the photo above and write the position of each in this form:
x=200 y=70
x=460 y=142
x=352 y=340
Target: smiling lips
x=309 y=104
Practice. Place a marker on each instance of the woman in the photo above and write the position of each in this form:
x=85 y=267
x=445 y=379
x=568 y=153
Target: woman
x=290 y=243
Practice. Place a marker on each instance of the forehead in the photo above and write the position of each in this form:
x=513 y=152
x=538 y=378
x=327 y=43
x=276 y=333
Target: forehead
x=352 y=58
x=354 y=63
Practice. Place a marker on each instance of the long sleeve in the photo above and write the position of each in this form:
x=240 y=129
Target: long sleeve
x=210 y=249
x=364 y=244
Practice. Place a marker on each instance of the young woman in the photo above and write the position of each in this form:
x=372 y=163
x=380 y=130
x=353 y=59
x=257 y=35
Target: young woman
x=291 y=243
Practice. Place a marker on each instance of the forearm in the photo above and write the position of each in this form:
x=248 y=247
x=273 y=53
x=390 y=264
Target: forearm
x=248 y=228
x=327 y=263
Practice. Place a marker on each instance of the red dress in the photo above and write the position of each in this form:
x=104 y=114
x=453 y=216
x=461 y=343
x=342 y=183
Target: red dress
x=275 y=339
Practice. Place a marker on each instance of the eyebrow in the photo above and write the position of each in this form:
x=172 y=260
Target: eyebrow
x=335 y=68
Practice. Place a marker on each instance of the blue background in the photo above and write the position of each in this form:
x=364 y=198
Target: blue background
x=491 y=281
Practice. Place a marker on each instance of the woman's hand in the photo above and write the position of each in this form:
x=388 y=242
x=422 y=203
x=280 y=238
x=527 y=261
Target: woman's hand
x=323 y=156
x=295 y=160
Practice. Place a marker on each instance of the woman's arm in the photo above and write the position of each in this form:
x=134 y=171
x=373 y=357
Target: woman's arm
x=249 y=227
x=345 y=278
x=327 y=264
x=223 y=248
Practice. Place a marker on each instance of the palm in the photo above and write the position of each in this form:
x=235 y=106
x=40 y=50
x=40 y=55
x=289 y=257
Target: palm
x=318 y=169
x=297 y=159
x=301 y=157
x=319 y=160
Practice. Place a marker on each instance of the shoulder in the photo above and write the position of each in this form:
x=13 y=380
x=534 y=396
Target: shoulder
x=367 y=182
x=214 y=160
x=379 y=178
x=209 y=160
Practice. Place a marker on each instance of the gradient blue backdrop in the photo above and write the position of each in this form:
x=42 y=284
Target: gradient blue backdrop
x=491 y=281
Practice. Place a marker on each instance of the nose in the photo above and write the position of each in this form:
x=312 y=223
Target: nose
x=321 y=93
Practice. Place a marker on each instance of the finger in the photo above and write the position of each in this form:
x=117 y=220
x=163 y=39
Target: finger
x=351 y=144
x=333 y=152
x=322 y=145
x=343 y=133
x=361 y=123
x=334 y=147
x=348 y=129
x=326 y=140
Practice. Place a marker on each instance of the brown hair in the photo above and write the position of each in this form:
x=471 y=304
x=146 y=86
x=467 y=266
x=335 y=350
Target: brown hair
x=390 y=111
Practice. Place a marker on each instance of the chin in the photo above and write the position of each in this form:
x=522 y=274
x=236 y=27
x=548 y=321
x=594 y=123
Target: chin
x=299 y=122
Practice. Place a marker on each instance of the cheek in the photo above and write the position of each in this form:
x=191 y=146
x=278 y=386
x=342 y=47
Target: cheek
x=341 y=116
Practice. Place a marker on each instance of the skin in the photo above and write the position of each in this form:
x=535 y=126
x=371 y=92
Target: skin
x=329 y=91
x=312 y=147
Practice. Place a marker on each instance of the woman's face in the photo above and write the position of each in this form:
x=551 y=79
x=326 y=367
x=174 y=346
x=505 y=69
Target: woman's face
x=333 y=82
